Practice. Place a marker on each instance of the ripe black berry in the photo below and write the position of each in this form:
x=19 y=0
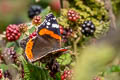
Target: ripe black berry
x=12 y=32
x=88 y=28
x=34 y=10
x=73 y=15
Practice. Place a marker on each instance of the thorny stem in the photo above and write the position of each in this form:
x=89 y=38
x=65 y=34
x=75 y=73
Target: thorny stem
x=108 y=6
x=75 y=45
x=61 y=2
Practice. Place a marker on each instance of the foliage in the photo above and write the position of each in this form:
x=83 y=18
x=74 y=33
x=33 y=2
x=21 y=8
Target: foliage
x=116 y=6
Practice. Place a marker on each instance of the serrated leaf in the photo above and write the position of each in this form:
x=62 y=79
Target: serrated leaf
x=33 y=72
x=65 y=59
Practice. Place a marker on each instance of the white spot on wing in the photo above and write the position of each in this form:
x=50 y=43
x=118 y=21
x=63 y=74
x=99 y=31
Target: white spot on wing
x=55 y=25
x=48 y=23
x=47 y=27
x=54 y=18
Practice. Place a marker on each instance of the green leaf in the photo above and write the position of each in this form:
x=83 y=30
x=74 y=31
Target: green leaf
x=45 y=12
x=32 y=30
x=65 y=59
x=19 y=50
x=33 y=72
x=3 y=66
x=58 y=76
x=10 y=44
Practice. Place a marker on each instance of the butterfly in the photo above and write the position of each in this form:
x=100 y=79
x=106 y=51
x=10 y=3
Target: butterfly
x=46 y=43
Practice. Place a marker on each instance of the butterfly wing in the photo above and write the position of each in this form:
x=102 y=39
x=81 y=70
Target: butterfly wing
x=47 y=40
x=49 y=27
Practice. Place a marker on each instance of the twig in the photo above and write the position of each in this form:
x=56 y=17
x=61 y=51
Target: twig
x=75 y=45
x=108 y=6
x=61 y=2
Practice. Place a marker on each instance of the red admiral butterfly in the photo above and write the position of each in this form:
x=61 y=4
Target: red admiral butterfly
x=46 y=42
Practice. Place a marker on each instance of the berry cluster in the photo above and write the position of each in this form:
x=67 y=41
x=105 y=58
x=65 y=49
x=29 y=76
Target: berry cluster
x=67 y=75
x=73 y=15
x=88 y=28
x=34 y=10
x=36 y=20
x=0 y=73
x=12 y=32
x=66 y=33
x=33 y=35
x=23 y=27
x=7 y=74
x=12 y=54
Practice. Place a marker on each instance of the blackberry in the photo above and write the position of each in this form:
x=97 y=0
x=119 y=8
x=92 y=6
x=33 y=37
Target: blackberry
x=98 y=78
x=67 y=75
x=7 y=74
x=12 y=54
x=88 y=28
x=23 y=27
x=34 y=10
x=33 y=35
x=73 y=15
x=0 y=73
x=36 y=20
x=61 y=29
x=66 y=33
x=13 y=32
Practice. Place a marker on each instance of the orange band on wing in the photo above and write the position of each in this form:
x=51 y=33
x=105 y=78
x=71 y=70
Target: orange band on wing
x=52 y=34
x=28 y=49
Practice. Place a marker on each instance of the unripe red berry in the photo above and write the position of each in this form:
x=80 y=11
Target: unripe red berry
x=66 y=75
x=61 y=29
x=0 y=75
x=33 y=35
x=12 y=32
x=73 y=15
x=23 y=27
x=36 y=20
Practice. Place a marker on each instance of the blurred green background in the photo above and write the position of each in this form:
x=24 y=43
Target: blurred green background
x=15 y=11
